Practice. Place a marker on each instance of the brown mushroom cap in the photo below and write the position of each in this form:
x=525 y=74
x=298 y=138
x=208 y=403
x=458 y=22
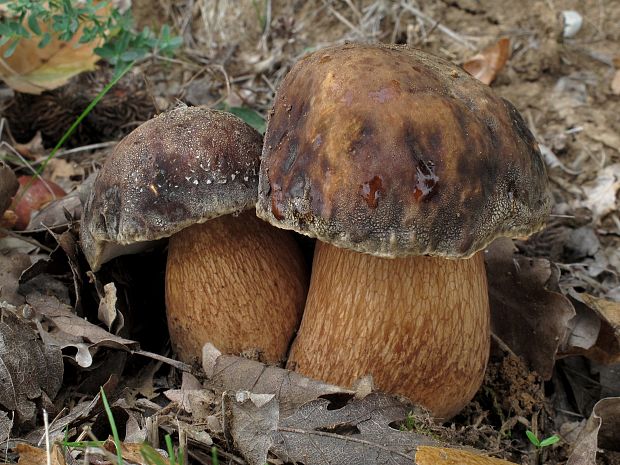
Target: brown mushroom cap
x=391 y=151
x=183 y=167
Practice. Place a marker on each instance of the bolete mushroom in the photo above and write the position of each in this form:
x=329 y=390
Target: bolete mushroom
x=404 y=168
x=231 y=279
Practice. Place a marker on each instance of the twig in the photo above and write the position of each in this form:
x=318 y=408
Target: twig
x=345 y=21
x=502 y=345
x=48 y=452
x=84 y=148
x=446 y=30
x=27 y=239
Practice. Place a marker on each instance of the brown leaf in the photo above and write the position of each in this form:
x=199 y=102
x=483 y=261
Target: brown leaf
x=33 y=194
x=602 y=430
x=606 y=346
x=361 y=432
x=69 y=330
x=527 y=311
x=29 y=455
x=487 y=64
x=231 y=373
x=12 y=265
x=32 y=70
x=8 y=186
x=27 y=366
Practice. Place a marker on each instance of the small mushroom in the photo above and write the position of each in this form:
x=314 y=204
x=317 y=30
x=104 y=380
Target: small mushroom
x=231 y=279
x=404 y=168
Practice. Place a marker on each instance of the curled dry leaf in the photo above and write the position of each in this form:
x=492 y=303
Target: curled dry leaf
x=602 y=430
x=32 y=70
x=362 y=431
x=528 y=312
x=28 y=367
x=231 y=373
x=600 y=321
x=485 y=65
x=8 y=186
x=64 y=328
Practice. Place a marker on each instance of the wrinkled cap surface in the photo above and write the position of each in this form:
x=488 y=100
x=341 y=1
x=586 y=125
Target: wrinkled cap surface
x=391 y=151
x=182 y=167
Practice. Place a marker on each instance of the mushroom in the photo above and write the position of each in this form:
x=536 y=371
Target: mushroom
x=231 y=279
x=404 y=168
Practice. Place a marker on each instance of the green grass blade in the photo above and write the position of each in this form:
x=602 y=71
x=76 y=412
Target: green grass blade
x=108 y=412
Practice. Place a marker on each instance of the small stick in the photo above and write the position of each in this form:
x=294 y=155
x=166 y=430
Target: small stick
x=446 y=30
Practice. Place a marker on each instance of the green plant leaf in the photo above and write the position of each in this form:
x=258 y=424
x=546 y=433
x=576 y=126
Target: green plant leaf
x=549 y=441
x=252 y=117
x=33 y=24
x=532 y=437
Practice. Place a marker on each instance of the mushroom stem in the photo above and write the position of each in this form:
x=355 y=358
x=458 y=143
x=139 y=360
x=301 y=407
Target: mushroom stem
x=419 y=325
x=237 y=282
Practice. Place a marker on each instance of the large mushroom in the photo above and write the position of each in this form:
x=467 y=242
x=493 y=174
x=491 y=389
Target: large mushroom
x=191 y=174
x=404 y=168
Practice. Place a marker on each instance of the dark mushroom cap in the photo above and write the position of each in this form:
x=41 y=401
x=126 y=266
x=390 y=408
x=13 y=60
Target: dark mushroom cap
x=391 y=151
x=183 y=167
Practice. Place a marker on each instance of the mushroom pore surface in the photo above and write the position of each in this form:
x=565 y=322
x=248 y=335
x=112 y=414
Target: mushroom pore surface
x=395 y=153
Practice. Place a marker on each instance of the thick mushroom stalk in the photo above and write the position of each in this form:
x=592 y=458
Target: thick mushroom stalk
x=237 y=282
x=428 y=318
x=232 y=279
x=392 y=153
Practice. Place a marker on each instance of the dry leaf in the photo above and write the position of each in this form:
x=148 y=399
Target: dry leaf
x=12 y=265
x=32 y=70
x=231 y=373
x=107 y=312
x=527 y=311
x=485 y=65
x=600 y=194
x=33 y=194
x=66 y=329
x=27 y=366
x=602 y=430
x=29 y=455
x=606 y=345
x=8 y=186
x=5 y=427
x=361 y=432
x=31 y=150
x=615 y=83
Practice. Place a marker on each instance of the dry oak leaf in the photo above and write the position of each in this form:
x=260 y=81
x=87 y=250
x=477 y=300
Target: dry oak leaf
x=528 y=312
x=232 y=373
x=32 y=70
x=485 y=65
x=361 y=432
x=28 y=367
